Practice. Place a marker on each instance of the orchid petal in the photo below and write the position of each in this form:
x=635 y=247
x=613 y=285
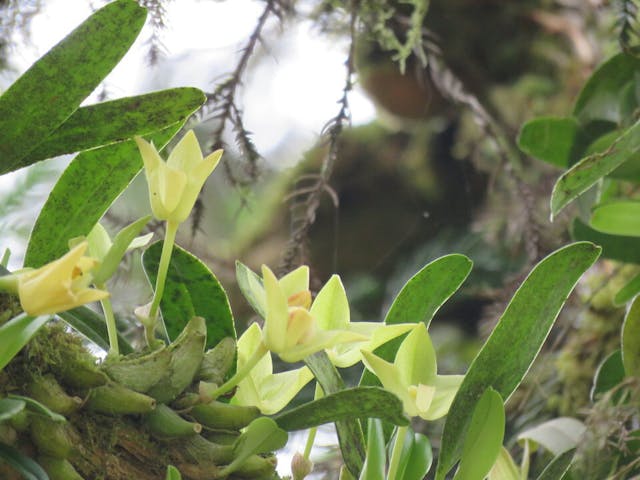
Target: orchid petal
x=331 y=307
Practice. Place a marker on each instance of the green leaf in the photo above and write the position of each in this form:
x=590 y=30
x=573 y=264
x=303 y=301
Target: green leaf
x=16 y=333
x=600 y=96
x=93 y=327
x=515 y=341
x=552 y=139
x=53 y=88
x=626 y=293
x=375 y=464
x=361 y=402
x=615 y=247
x=172 y=473
x=420 y=299
x=557 y=435
x=29 y=469
x=584 y=174
x=116 y=121
x=631 y=340
x=349 y=431
x=120 y=245
x=558 y=466
x=416 y=458
x=251 y=287
x=38 y=408
x=191 y=290
x=9 y=407
x=483 y=440
x=617 y=218
x=86 y=189
x=608 y=375
x=261 y=436
x=504 y=467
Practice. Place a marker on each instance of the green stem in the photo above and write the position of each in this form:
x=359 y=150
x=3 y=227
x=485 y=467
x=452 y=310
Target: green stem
x=311 y=437
x=260 y=352
x=163 y=268
x=110 y=320
x=396 y=454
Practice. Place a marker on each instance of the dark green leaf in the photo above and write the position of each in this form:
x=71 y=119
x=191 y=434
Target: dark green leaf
x=584 y=174
x=515 y=341
x=420 y=299
x=16 y=333
x=631 y=340
x=91 y=325
x=375 y=464
x=349 y=431
x=53 y=88
x=29 y=469
x=191 y=290
x=86 y=189
x=609 y=374
x=361 y=402
x=118 y=120
x=552 y=139
x=615 y=247
x=600 y=97
x=558 y=466
x=10 y=407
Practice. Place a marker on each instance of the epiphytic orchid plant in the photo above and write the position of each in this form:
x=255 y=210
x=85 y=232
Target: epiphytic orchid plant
x=187 y=400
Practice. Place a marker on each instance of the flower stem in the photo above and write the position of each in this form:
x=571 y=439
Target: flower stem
x=110 y=320
x=163 y=267
x=311 y=437
x=397 y=453
x=260 y=352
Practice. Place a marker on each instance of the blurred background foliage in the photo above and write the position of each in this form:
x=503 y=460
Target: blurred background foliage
x=434 y=171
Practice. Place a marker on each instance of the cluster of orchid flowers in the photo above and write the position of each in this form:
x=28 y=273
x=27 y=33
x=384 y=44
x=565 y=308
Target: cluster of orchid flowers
x=294 y=325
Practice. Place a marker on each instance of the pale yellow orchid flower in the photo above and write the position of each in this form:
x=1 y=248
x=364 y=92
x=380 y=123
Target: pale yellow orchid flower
x=413 y=376
x=290 y=329
x=331 y=310
x=261 y=387
x=174 y=185
x=60 y=285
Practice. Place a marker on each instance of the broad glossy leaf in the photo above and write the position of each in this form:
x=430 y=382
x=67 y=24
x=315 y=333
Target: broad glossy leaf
x=86 y=189
x=558 y=466
x=91 y=325
x=483 y=440
x=617 y=218
x=416 y=458
x=557 y=435
x=375 y=464
x=420 y=299
x=10 y=407
x=16 y=333
x=631 y=340
x=554 y=140
x=615 y=247
x=116 y=121
x=349 y=431
x=609 y=374
x=53 y=88
x=626 y=293
x=600 y=96
x=516 y=340
x=584 y=174
x=191 y=290
x=29 y=469
x=361 y=402
x=261 y=436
